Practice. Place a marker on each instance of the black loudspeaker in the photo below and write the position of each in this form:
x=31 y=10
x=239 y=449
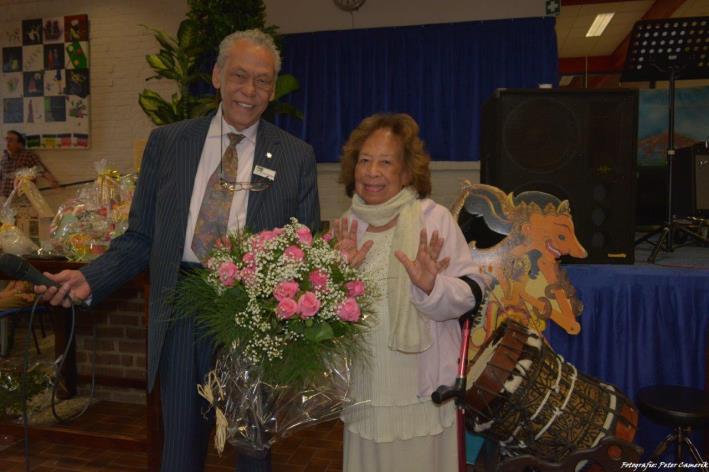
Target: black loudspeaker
x=578 y=145
x=690 y=181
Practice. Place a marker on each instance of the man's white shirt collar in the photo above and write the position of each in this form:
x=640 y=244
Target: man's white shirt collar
x=215 y=129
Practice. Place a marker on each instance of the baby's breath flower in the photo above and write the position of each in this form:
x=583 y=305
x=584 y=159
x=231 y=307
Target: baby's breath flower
x=265 y=260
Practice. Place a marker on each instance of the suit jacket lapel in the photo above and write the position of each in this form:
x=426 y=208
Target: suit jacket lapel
x=267 y=143
x=188 y=153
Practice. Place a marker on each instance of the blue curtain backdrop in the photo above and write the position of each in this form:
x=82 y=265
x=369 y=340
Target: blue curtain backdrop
x=439 y=74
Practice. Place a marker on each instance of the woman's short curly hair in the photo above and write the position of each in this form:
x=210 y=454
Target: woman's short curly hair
x=416 y=159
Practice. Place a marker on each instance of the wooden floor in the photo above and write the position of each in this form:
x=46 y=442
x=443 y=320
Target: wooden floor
x=318 y=448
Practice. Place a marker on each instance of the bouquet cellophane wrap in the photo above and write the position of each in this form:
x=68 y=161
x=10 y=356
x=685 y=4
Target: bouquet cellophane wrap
x=107 y=184
x=12 y=239
x=25 y=186
x=84 y=225
x=289 y=314
x=252 y=414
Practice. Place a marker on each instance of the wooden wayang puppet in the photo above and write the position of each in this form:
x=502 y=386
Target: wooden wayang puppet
x=538 y=409
x=528 y=284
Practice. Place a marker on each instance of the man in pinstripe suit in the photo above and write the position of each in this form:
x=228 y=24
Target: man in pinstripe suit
x=177 y=164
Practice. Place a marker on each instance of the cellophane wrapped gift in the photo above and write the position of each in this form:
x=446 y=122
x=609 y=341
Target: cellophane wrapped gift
x=36 y=382
x=107 y=183
x=12 y=239
x=85 y=225
x=24 y=186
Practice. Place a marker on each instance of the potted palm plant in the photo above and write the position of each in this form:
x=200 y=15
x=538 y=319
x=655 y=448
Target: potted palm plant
x=188 y=58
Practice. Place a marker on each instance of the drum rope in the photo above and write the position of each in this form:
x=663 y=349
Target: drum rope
x=559 y=411
x=554 y=388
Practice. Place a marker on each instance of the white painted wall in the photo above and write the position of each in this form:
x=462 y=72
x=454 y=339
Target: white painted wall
x=298 y=16
x=118 y=45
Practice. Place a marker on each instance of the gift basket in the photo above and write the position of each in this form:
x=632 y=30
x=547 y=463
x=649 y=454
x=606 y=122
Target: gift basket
x=12 y=239
x=288 y=314
x=24 y=186
x=84 y=225
x=36 y=382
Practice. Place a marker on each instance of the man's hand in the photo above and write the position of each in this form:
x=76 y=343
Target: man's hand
x=424 y=269
x=73 y=289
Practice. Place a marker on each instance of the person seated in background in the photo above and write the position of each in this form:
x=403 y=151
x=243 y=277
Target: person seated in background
x=416 y=254
x=16 y=157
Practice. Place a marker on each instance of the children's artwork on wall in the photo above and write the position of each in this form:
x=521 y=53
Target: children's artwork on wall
x=54 y=30
x=11 y=85
x=11 y=59
x=12 y=110
x=44 y=84
x=31 y=32
x=33 y=84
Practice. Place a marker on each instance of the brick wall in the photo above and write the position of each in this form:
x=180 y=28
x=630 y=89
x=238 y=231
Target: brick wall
x=120 y=344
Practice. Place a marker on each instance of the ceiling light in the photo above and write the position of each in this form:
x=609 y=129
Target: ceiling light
x=599 y=24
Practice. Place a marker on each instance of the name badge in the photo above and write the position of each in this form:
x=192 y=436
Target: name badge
x=264 y=172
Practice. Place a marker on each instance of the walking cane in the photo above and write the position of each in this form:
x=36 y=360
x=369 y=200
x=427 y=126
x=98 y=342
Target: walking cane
x=457 y=390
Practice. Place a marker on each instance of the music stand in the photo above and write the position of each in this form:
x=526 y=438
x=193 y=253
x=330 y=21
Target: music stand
x=668 y=49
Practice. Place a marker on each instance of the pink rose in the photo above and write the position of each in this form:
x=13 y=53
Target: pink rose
x=277 y=232
x=228 y=273
x=258 y=240
x=286 y=308
x=304 y=235
x=318 y=279
x=349 y=310
x=294 y=252
x=308 y=304
x=355 y=288
x=248 y=259
x=267 y=235
x=286 y=289
x=327 y=237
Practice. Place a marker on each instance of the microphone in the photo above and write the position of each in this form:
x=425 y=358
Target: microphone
x=19 y=269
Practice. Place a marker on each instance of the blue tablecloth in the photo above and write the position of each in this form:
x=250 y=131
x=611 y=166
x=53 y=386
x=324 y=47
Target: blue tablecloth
x=641 y=325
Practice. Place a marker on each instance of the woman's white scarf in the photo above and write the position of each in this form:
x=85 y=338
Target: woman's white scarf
x=408 y=329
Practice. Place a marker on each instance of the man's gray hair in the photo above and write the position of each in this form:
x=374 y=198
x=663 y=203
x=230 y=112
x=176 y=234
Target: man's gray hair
x=255 y=36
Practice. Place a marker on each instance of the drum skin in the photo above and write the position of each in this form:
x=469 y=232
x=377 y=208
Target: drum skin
x=528 y=399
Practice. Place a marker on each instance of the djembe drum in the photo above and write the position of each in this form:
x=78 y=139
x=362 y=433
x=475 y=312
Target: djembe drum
x=528 y=399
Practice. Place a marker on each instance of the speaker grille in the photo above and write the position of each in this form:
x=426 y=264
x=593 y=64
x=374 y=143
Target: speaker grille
x=540 y=134
x=579 y=145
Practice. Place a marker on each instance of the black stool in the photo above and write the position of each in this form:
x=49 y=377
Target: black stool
x=681 y=408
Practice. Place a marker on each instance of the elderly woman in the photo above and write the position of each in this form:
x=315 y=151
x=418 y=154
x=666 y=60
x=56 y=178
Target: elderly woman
x=415 y=336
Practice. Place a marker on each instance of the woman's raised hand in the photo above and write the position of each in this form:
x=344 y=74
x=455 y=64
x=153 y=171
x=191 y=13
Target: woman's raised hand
x=345 y=233
x=424 y=269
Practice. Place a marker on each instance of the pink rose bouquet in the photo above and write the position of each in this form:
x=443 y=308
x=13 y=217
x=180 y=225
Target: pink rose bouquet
x=288 y=312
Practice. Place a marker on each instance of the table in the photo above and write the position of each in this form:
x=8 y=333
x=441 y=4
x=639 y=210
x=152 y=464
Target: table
x=641 y=325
